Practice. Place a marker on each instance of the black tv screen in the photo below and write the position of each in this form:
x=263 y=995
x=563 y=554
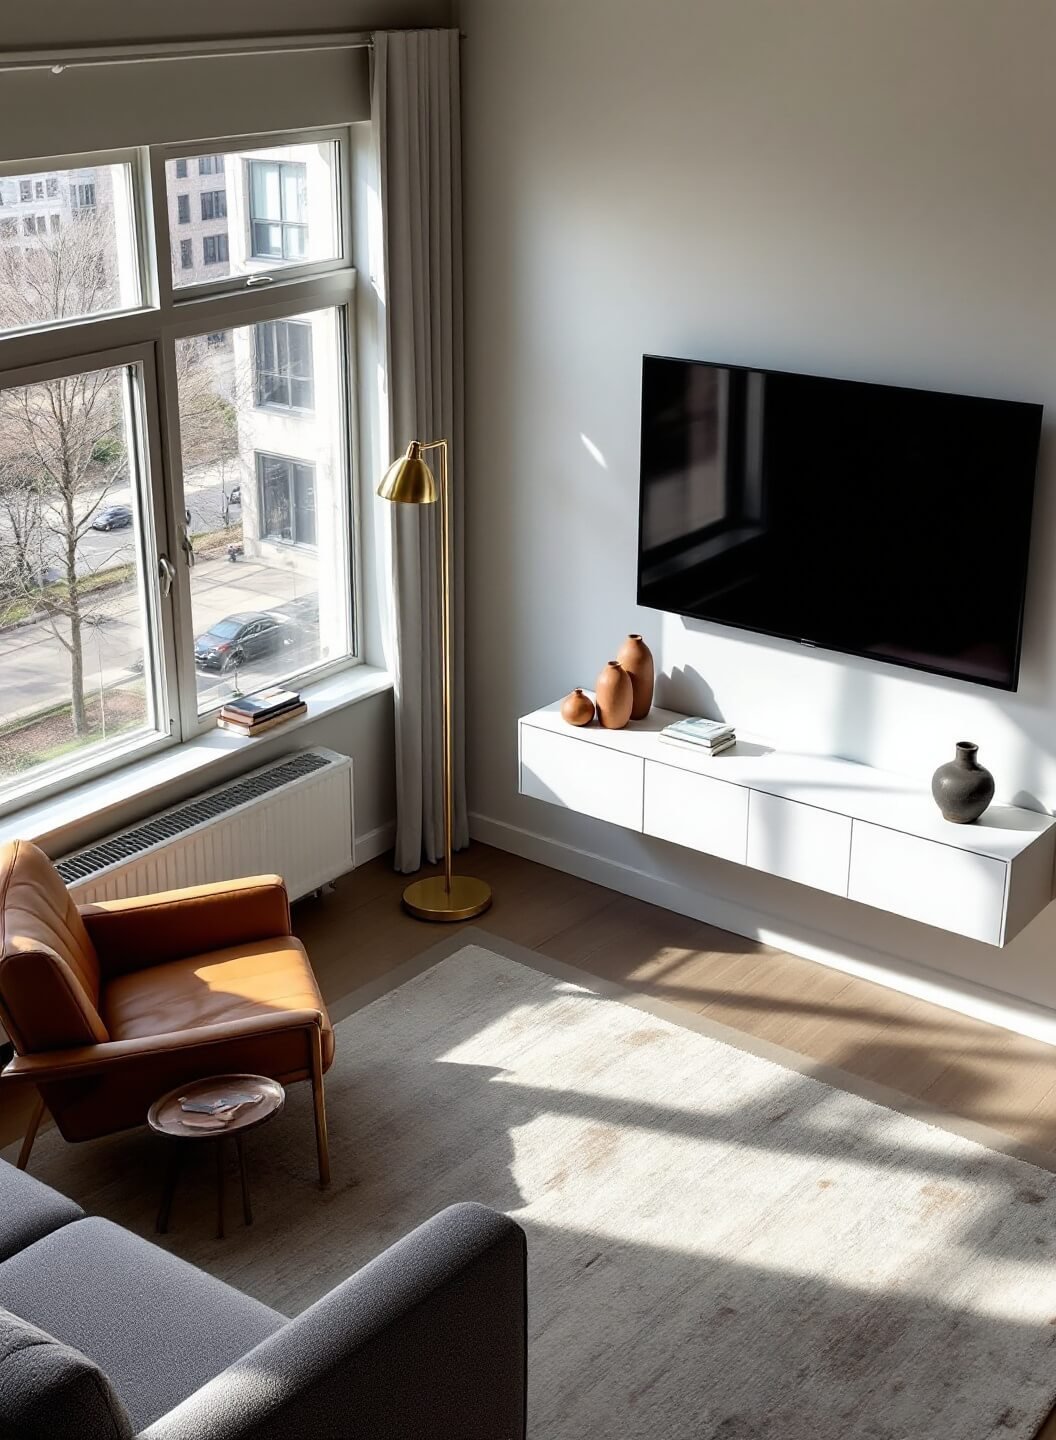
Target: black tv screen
x=868 y=519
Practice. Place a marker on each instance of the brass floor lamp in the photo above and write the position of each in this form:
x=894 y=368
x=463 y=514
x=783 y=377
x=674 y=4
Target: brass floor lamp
x=410 y=481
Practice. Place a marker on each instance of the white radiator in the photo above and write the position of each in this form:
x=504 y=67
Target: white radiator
x=291 y=818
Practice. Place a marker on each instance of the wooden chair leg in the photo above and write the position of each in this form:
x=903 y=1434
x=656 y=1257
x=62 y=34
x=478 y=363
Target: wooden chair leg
x=322 y=1141
x=36 y=1116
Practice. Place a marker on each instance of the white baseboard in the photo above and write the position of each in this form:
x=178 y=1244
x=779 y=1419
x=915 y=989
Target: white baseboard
x=967 y=997
x=374 y=842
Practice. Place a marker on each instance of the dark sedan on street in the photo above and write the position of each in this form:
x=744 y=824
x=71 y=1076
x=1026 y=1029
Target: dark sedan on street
x=239 y=640
x=113 y=517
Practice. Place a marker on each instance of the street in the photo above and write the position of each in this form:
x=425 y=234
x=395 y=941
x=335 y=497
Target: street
x=97 y=550
x=35 y=665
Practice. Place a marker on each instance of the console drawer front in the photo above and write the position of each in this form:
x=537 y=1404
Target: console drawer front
x=799 y=842
x=582 y=776
x=697 y=811
x=928 y=881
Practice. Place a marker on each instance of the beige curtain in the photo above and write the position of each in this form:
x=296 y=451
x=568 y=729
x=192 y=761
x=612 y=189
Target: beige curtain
x=417 y=136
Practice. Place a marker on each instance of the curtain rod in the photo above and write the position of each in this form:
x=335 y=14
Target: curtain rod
x=77 y=56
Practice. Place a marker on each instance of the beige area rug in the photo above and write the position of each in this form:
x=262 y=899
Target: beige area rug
x=720 y=1247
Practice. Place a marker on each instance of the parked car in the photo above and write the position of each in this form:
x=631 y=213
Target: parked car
x=301 y=613
x=240 y=639
x=113 y=517
x=235 y=495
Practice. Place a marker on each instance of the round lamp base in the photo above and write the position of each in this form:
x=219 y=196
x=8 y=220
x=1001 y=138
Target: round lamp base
x=429 y=900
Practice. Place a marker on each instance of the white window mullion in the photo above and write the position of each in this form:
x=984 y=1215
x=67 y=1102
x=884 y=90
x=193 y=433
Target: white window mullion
x=180 y=554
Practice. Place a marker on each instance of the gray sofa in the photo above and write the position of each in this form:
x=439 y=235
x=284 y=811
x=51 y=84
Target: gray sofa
x=104 y=1335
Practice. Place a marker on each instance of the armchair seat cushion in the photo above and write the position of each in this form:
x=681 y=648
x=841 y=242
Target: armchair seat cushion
x=157 y=1327
x=239 y=983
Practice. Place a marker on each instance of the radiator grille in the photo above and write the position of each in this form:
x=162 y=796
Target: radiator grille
x=129 y=843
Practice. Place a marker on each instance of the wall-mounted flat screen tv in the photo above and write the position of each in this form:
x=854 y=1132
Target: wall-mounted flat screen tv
x=867 y=519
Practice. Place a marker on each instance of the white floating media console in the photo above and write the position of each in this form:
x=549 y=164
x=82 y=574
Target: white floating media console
x=828 y=823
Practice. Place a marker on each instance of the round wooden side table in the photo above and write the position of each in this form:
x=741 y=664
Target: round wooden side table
x=167 y=1117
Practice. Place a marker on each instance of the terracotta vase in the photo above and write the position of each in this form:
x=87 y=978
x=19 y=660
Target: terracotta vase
x=577 y=708
x=962 y=788
x=637 y=659
x=615 y=696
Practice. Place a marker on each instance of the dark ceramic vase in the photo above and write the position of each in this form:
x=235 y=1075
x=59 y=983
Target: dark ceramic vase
x=962 y=788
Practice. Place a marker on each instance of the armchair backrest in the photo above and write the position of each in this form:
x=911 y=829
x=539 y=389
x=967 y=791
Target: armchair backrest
x=49 y=970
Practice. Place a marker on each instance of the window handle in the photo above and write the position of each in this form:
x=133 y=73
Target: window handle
x=166 y=574
x=259 y=280
x=187 y=546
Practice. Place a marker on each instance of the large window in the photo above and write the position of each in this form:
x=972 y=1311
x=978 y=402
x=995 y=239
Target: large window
x=147 y=574
x=284 y=364
x=278 y=206
x=278 y=473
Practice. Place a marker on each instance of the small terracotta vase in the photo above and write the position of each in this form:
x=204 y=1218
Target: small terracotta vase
x=615 y=696
x=577 y=708
x=963 y=788
x=637 y=659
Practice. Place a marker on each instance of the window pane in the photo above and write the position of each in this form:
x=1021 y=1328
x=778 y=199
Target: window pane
x=266 y=486
x=82 y=260
x=74 y=597
x=273 y=206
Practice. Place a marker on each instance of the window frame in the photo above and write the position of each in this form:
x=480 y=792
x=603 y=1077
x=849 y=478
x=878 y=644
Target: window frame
x=99 y=759
x=282 y=271
x=147 y=334
x=141 y=240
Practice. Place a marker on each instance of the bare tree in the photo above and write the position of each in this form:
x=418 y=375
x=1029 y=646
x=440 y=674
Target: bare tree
x=20 y=512
x=61 y=440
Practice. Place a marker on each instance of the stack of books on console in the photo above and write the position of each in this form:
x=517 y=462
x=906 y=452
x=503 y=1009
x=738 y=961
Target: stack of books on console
x=253 y=714
x=706 y=737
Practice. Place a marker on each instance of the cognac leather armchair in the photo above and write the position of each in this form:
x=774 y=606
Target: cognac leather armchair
x=111 y=1004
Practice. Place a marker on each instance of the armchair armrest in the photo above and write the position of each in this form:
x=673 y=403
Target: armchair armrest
x=151 y=929
x=47 y=1066
x=427 y=1340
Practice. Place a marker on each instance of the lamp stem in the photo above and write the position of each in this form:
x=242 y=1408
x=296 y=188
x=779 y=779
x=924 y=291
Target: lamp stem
x=446 y=664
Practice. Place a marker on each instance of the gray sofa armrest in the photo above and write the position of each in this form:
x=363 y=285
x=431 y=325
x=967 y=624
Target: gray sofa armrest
x=427 y=1340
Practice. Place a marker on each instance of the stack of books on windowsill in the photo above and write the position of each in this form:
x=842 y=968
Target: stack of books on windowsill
x=253 y=714
x=705 y=737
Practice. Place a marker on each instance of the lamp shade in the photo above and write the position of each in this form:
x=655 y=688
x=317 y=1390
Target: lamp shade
x=409 y=480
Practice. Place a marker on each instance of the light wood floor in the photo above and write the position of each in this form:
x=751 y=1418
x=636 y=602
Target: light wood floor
x=358 y=933
x=964 y=1066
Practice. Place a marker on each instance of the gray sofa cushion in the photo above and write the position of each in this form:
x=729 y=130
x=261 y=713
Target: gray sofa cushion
x=49 y=1391
x=29 y=1210
x=156 y=1326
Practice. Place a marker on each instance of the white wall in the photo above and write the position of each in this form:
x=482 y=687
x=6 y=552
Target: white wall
x=836 y=186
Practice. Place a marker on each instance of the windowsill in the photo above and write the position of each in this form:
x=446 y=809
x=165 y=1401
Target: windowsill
x=200 y=756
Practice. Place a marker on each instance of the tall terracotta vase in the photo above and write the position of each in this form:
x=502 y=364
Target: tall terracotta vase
x=614 y=695
x=637 y=659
